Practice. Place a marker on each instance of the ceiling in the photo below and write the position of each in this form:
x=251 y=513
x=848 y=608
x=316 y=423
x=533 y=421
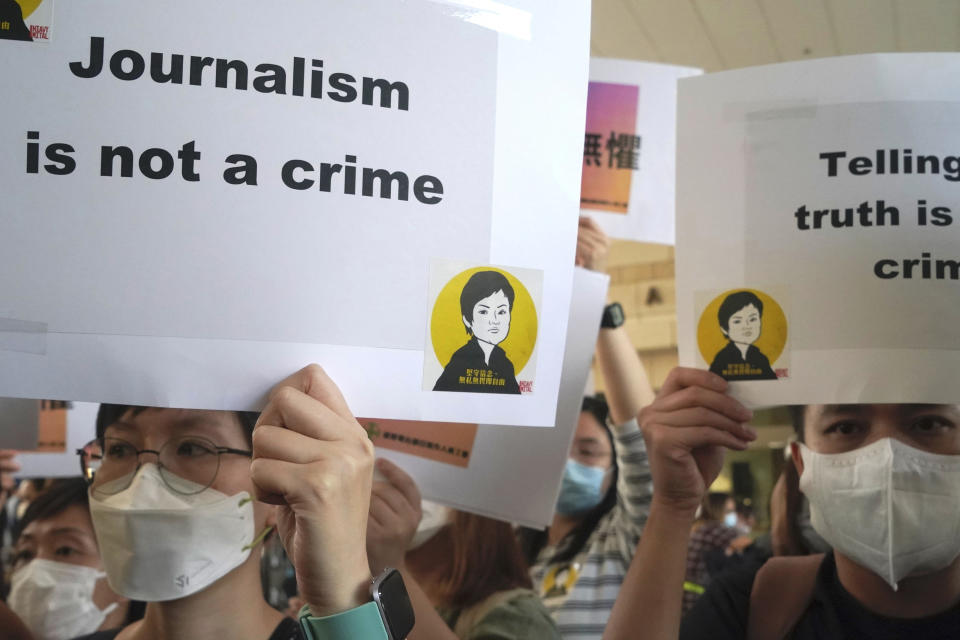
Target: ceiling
x=726 y=34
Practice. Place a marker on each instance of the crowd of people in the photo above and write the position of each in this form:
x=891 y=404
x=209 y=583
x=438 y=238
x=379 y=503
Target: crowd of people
x=162 y=536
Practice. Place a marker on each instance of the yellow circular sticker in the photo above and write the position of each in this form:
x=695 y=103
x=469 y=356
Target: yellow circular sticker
x=28 y=7
x=559 y=581
x=741 y=334
x=490 y=318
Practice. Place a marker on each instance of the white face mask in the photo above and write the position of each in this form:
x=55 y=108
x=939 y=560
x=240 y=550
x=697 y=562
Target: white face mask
x=55 y=599
x=889 y=507
x=435 y=517
x=159 y=545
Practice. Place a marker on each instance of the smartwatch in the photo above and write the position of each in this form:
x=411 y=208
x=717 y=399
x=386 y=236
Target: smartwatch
x=388 y=617
x=613 y=316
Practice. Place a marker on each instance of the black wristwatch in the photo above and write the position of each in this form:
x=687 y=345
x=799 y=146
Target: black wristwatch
x=396 y=611
x=388 y=617
x=612 y=316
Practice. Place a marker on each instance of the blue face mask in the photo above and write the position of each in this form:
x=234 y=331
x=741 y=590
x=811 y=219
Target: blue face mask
x=581 y=489
x=730 y=519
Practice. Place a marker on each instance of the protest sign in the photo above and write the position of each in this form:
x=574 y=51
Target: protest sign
x=629 y=148
x=59 y=459
x=496 y=471
x=193 y=208
x=817 y=229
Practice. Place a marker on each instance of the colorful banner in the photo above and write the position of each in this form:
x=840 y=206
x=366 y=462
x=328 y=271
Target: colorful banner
x=629 y=148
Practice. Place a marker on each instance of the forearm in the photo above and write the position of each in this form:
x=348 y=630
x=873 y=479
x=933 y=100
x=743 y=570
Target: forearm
x=651 y=596
x=429 y=625
x=625 y=380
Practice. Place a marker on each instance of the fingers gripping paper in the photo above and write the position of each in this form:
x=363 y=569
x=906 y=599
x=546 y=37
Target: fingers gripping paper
x=199 y=198
x=818 y=229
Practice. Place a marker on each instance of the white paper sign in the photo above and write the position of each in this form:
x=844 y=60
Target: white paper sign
x=818 y=237
x=514 y=474
x=630 y=146
x=199 y=198
x=81 y=429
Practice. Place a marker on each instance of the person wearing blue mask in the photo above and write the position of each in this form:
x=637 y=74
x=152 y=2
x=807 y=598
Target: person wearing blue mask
x=578 y=563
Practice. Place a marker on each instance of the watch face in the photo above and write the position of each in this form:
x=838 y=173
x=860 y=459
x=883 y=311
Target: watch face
x=391 y=595
x=617 y=312
x=613 y=316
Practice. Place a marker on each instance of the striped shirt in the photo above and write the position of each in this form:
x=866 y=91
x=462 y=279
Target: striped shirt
x=580 y=593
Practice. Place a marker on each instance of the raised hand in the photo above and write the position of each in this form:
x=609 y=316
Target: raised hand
x=593 y=245
x=314 y=461
x=686 y=429
x=394 y=516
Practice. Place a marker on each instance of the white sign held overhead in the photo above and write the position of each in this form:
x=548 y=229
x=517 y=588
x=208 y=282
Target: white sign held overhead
x=510 y=474
x=629 y=148
x=818 y=226
x=194 y=208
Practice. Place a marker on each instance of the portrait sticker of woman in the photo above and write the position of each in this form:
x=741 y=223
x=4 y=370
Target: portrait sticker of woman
x=483 y=330
x=741 y=334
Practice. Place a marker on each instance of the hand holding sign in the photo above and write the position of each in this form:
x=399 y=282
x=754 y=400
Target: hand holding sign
x=394 y=516
x=686 y=428
x=593 y=245
x=315 y=461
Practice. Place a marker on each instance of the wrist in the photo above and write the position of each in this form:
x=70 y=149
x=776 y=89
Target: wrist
x=350 y=594
x=681 y=514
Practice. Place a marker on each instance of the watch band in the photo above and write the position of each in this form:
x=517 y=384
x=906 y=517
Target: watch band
x=360 y=622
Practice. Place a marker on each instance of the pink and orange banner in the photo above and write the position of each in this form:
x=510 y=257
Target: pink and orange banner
x=611 y=148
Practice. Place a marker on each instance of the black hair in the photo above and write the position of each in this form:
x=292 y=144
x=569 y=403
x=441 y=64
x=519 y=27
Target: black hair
x=482 y=285
x=532 y=541
x=111 y=413
x=798 y=414
x=61 y=495
x=735 y=302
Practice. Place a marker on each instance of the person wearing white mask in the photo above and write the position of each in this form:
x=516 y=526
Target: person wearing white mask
x=181 y=500
x=59 y=588
x=465 y=574
x=578 y=562
x=883 y=482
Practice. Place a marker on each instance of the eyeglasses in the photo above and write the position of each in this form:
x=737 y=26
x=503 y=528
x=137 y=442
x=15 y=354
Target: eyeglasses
x=110 y=464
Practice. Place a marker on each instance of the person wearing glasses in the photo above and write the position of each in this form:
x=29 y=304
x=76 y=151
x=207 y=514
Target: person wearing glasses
x=180 y=498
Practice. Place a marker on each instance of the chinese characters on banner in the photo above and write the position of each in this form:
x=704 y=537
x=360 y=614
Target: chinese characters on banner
x=629 y=148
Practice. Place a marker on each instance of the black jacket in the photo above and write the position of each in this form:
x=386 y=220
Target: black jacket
x=12 y=16
x=468 y=371
x=729 y=363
